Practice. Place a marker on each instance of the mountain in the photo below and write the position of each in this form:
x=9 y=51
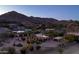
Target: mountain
x=21 y=19
x=14 y=16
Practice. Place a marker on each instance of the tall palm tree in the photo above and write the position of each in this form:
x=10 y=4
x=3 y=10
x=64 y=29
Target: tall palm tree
x=29 y=38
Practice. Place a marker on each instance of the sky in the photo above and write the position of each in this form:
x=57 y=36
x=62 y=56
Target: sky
x=60 y=12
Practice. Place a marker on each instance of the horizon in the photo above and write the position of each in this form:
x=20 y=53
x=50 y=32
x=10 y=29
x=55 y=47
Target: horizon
x=59 y=12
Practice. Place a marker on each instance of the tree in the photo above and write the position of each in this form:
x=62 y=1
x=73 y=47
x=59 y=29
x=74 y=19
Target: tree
x=51 y=34
x=70 y=37
x=29 y=34
x=38 y=47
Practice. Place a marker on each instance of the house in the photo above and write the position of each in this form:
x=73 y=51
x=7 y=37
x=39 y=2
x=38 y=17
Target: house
x=72 y=27
x=58 y=38
x=49 y=29
x=73 y=33
x=18 y=31
x=41 y=36
x=21 y=31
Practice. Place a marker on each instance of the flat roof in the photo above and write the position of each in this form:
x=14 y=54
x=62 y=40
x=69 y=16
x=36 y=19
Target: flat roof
x=58 y=38
x=41 y=36
x=74 y=33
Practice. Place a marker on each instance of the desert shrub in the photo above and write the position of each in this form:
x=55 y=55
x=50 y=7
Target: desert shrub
x=28 y=41
x=60 y=50
x=14 y=44
x=11 y=50
x=11 y=34
x=23 y=39
x=77 y=39
x=25 y=34
x=32 y=41
x=38 y=47
x=4 y=50
x=38 y=42
x=31 y=48
x=19 y=45
x=23 y=50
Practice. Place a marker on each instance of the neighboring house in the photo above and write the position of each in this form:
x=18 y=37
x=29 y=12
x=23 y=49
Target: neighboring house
x=22 y=31
x=57 y=38
x=26 y=30
x=72 y=27
x=74 y=33
x=49 y=29
x=18 y=31
x=41 y=36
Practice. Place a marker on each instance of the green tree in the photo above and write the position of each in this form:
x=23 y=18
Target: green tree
x=70 y=37
x=29 y=34
x=51 y=34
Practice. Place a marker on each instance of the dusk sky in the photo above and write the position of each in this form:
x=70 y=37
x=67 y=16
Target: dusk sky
x=51 y=11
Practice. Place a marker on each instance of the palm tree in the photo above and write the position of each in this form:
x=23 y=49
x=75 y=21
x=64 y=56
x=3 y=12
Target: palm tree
x=29 y=34
x=28 y=42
